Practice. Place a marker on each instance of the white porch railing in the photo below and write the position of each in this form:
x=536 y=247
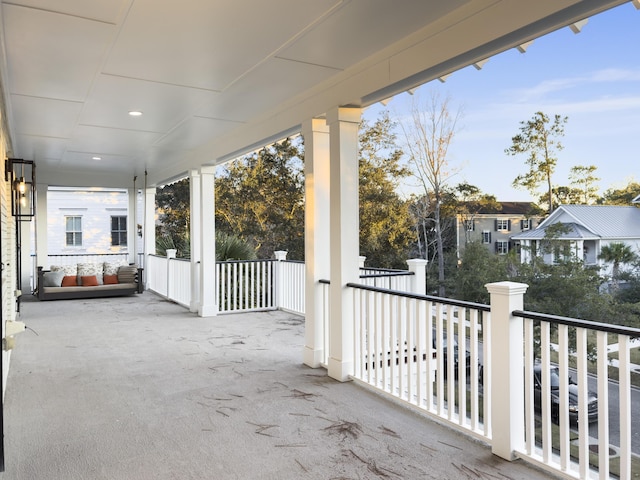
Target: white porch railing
x=245 y=286
x=391 y=279
x=291 y=286
x=399 y=350
x=402 y=343
x=557 y=441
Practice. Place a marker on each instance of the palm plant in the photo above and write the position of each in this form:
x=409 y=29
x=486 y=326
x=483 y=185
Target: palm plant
x=617 y=253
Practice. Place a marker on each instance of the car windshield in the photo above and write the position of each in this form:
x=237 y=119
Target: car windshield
x=554 y=377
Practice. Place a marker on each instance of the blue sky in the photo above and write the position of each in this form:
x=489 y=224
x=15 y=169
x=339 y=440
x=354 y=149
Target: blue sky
x=592 y=77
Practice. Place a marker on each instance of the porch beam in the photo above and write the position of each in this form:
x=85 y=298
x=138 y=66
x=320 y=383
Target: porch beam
x=316 y=232
x=344 y=236
x=208 y=305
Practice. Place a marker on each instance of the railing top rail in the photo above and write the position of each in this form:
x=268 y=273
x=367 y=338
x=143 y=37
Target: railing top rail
x=270 y=260
x=83 y=254
x=447 y=301
x=375 y=269
x=388 y=274
x=574 y=322
x=293 y=261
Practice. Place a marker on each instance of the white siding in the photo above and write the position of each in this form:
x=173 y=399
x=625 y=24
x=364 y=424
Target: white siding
x=96 y=207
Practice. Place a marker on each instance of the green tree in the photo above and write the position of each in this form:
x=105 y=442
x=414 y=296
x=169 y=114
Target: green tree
x=616 y=254
x=477 y=267
x=621 y=196
x=385 y=226
x=584 y=180
x=260 y=199
x=539 y=139
x=172 y=205
x=429 y=131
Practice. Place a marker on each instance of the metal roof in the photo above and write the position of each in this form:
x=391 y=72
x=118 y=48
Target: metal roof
x=591 y=221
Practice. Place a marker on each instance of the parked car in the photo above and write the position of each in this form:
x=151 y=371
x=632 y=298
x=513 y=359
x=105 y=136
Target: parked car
x=445 y=348
x=554 y=379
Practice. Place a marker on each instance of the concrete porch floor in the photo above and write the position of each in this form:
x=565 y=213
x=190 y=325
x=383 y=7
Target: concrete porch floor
x=139 y=388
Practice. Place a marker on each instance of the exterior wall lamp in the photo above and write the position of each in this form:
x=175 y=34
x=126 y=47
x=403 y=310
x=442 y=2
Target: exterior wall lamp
x=22 y=175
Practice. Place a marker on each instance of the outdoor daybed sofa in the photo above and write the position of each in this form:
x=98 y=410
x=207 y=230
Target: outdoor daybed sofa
x=88 y=280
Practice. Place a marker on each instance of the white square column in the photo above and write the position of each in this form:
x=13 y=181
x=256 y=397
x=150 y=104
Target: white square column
x=195 y=237
x=344 y=237
x=316 y=235
x=208 y=304
x=131 y=226
x=42 y=219
x=149 y=226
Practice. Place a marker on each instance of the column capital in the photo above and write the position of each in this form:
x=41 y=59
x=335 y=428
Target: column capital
x=507 y=288
x=344 y=114
x=314 y=125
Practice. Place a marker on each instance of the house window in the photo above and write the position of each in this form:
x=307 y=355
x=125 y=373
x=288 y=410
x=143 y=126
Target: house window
x=502 y=248
x=503 y=225
x=469 y=225
x=486 y=236
x=119 y=231
x=525 y=224
x=73 y=230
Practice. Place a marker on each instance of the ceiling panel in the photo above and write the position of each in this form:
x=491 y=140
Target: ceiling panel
x=44 y=117
x=377 y=22
x=62 y=67
x=206 y=44
x=253 y=94
x=80 y=161
x=102 y=141
x=163 y=105
x=193 y=133
x=105 y=11
x=47 y=151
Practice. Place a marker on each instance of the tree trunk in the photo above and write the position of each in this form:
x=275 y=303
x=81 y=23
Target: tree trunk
x=440 y=247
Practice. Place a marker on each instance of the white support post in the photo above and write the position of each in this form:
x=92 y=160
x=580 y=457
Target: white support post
x=419 y=278
x=208 y=306
x=343 y=130
x=316 y=233
x=149 y=227
x=131 y=226
x=195 y=238
x=280 y=256
x=507 y=367
x=361 y=260
x=42 y=253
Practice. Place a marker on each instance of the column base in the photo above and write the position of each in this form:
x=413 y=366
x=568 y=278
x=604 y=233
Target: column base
x=312 y=358
x=208 y=310
x=340 y=370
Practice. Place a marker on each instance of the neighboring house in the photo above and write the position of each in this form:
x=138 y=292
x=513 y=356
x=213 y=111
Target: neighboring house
x=590 y=227
x=87 y=221
x=494 y=227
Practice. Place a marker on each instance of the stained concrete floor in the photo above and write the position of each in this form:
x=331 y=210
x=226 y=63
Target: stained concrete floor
x=138 y=388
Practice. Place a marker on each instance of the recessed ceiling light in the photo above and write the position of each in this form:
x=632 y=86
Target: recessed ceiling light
x=135 y=113
x=96 y=158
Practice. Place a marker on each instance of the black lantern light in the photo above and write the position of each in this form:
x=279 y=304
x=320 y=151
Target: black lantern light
x=22 y=174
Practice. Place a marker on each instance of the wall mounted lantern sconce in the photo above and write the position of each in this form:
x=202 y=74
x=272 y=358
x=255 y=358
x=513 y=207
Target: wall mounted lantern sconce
x=22 y=175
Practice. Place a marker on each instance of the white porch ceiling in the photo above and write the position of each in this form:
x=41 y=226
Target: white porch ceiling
x=215 y=77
